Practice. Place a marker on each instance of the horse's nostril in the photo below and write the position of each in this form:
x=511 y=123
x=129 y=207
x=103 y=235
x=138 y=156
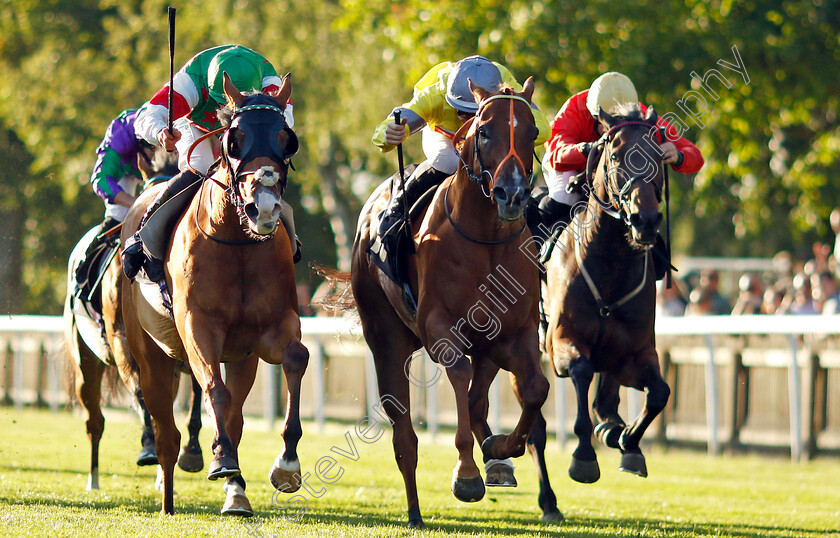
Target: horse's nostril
x=500 y=194
x=635 y=220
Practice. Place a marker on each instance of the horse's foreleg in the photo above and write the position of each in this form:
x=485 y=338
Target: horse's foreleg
x=240 y=378
x=484 y=372
x=536 y=446
x=584 y=467
x=203 y=344
x=190 y=458
x=531 y=388
x=658 y=392
x=89 y=372
x=606 y=410
x=467 y=484
x=285 y=473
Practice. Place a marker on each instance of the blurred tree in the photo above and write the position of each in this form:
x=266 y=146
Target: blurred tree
x=67 y=67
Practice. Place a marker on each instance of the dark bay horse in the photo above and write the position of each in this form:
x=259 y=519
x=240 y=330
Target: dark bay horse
x=229 y=268
x=477 y=295
x=94 y=350
x=600 y=296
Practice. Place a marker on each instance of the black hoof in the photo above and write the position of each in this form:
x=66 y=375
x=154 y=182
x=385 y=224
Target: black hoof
x=487 y=447
x=468 y=490
x=553 y=517
x=634 y=463
x=190 y=460
x=415 y=520
x=147 y=456
x=585 y=472
x=223 y=467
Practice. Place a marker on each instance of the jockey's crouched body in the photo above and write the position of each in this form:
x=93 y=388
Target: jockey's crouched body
x=441 y=103
x=198 y=92
x=576 y=129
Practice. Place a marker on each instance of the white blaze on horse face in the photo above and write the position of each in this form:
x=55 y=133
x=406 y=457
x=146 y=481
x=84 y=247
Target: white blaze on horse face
x=267 y=205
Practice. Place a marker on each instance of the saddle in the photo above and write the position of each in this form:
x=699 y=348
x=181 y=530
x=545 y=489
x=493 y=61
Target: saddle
x=389 y=251
x=92 y=268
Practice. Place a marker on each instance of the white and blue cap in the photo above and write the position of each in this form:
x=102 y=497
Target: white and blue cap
x=481 y=71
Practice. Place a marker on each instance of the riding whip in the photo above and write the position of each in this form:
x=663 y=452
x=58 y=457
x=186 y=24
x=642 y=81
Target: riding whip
x=171 y=11
x=397 y=120
x=667 y=190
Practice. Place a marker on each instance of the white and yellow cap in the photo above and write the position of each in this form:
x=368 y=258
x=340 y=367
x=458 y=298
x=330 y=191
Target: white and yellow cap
x=609 y=91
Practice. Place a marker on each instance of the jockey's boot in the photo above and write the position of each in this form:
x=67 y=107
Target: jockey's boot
x=421 y=180
x=83 y=271
x=287 y=218
x=553 y=215
x=134 y=256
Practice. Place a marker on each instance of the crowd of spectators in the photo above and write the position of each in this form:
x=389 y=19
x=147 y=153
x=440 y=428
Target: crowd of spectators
x=809 y=287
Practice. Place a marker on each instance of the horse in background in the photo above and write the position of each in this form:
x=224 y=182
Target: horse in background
x=95 y=341
x=477 y=295
x=600 y=297
x=233 y=299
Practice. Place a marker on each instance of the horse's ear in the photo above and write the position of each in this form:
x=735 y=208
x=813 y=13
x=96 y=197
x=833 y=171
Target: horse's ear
x=651 y=116
x=605 y=117
x=478 y=92
x=528 y=89
x=234 y=96
x=282 y=95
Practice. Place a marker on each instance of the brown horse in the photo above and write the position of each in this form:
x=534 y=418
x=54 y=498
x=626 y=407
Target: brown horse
x=229 y=267
x=477 y=295
x=94 y=350
x=600 y=296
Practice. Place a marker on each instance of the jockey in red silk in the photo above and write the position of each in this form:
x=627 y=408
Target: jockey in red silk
x=574 y=132
x=198 y=91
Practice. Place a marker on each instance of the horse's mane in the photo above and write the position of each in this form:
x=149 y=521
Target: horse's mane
x=628 y=111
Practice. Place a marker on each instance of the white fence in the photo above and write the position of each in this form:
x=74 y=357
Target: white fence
x=702 y=357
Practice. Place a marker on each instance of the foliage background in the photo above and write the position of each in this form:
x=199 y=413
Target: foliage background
x=67 y=67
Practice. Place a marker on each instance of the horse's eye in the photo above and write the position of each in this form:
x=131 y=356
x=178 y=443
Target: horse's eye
x=614 y=157
x=482 y=132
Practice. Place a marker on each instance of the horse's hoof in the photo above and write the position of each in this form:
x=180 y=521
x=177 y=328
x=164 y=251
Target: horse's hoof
x=553 y=517
x=488 y=445
x=285 y=475
x=468 y=490
x=189 y=460
x=499 y=473
x=223 y=467
x=415 y=520
x=147 y=456
x=608 y=433
x=237 y=505
x=583 y=471
x=634 y=462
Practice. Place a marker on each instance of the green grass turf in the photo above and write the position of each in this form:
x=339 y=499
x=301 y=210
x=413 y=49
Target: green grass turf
x=44 y=459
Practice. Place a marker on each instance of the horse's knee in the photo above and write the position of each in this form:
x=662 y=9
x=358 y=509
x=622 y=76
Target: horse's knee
x=658 y=395
x=535 y=391
x=295 y=358
x=581 y=371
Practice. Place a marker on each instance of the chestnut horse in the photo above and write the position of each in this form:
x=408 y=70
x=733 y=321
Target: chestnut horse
x=477 y=295
x=229 y=268
x=94 y=350
x=600 y=296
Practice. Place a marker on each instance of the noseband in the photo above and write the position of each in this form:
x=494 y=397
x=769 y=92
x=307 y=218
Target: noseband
x=512 y=154
x=617 y=209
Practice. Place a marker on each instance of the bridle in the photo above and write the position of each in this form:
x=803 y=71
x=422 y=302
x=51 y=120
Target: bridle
x=472 y=127
x=260 y=124
x=621 y=193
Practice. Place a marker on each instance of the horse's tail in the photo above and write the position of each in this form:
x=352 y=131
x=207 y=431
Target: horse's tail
x=334 y=296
